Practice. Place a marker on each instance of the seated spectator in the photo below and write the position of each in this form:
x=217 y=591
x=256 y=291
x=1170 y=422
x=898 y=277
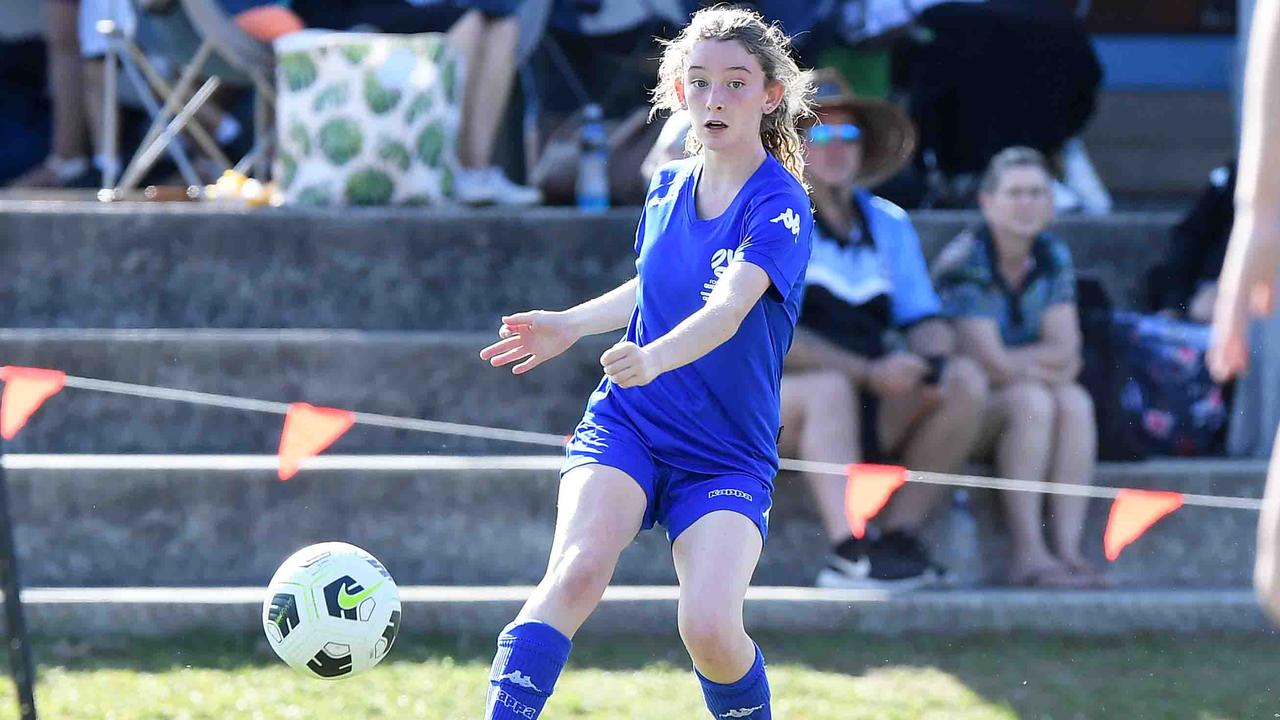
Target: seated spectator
x=77 y=53
x=848 y=393
x=68 y=162
x=1185 y=283
x=996 y=74
x=485 y=34
x=1010 y=287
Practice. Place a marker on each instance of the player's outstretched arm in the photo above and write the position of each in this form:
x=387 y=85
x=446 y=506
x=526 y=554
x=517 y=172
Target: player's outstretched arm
x=606 y=313
x=533 y=337
x=1247 y=285
x=629 y=365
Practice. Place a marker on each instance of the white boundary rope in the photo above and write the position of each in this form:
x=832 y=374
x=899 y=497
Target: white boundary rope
x=243 y=463
x=279 y=408
x=422 y=462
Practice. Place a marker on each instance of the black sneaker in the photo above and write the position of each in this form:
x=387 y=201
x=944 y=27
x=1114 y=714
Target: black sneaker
x=848 y=566
x=894 y=561
x=899 y=558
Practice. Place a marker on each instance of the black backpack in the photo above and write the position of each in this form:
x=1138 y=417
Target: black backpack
x=1120 y=434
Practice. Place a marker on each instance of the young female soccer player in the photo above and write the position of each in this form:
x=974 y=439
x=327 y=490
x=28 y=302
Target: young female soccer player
x=682 y=430
x=1247 y=287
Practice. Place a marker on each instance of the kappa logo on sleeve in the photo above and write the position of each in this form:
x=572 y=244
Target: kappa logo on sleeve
x=790 y=220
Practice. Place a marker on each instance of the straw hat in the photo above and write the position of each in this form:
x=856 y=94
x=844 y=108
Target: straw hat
x=888 y=135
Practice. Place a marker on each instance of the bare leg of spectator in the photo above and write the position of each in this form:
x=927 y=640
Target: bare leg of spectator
x=1073 y=463
x=65 y=74
x=93 y=99
x=487 y=103
x=936 y=431
x=1021 y=417
x=491 y=70
x=820 y=422
x=466 y=36
x=67 y=159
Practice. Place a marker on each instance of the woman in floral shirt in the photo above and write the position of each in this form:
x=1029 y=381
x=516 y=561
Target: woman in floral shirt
x=1010 y=288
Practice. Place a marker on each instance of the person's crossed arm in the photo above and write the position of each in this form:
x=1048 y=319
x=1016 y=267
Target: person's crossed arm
x=1053 y=359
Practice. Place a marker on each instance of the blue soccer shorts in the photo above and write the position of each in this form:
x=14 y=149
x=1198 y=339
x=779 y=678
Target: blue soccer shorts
x=677 y=498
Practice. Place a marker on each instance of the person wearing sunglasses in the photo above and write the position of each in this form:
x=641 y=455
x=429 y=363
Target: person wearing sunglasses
x=871 y=376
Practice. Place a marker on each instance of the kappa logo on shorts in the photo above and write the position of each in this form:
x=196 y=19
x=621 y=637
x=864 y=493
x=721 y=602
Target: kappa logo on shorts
x=790 y=220
x=731 y=492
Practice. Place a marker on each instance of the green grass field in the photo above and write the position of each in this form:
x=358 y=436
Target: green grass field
x=846 y=677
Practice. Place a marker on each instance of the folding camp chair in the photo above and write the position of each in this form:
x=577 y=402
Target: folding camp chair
x=199 y=36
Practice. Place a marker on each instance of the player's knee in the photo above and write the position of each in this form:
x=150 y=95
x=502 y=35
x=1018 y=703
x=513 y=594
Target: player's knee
x=965 y=383
x=709 y=636
x=581 y=574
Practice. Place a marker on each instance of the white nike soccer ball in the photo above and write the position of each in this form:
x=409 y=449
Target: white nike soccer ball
x=331 y=611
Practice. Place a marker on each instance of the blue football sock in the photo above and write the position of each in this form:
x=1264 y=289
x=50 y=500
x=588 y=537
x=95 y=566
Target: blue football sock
x=746 y=698
x=530 y=657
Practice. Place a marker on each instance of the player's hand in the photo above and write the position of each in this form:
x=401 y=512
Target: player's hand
x=629 y=365
x=896 y=374
x=532 y=337
x=1246 y=289
x=1228 y=354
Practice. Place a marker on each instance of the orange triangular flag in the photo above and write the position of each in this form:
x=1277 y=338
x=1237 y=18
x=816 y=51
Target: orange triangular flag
x=867 y=491
x=1133 y=512
x=308 y=430
x=25 y=390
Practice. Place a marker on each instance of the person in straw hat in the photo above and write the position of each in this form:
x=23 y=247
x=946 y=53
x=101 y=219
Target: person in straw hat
x=871 y=375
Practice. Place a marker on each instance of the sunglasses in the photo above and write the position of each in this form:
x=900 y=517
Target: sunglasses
x=844 y=132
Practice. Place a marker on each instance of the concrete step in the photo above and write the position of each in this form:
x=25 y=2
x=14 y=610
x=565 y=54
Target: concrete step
x=437 y=376
x=1148 y=117
x=439 y=520
x=652 y=611
x=1160 y=142
x=85 y=265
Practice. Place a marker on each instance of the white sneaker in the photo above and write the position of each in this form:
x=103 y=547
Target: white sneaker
x=1080 y=176
x=472 y=187
x=1065 y=199
x=505 y=192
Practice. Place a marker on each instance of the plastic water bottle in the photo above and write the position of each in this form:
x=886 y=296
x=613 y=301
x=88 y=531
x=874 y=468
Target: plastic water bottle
x=593 y=162
x=964 y=553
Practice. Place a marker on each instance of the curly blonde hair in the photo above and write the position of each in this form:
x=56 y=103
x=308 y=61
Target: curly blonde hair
x=779 y=130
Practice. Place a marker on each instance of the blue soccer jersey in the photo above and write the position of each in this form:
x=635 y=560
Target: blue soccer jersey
x=718 y=414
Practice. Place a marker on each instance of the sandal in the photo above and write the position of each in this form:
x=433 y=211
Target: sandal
x=1051 y=577
x=1090 y=573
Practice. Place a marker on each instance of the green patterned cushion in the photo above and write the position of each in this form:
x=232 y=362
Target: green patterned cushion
x=365 y=119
